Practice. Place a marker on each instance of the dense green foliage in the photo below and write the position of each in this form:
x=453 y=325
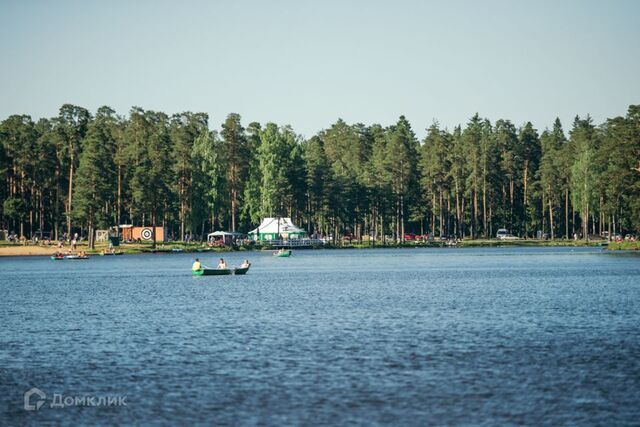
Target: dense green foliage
x=78 y=172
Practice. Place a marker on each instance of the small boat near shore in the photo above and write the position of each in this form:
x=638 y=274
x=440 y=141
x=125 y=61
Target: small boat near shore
x=71 y=255
x=76 y=257
x=220 y=271
x=282 y=253
x=111 y=253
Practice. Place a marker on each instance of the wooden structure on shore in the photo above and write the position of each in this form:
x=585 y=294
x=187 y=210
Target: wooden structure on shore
x=131 y=233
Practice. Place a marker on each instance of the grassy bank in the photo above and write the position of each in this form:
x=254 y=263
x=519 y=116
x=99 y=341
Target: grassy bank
x=624 y=246
x=12 y=249
x=528 y=242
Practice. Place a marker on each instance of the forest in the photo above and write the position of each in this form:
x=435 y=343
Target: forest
x=79 y=172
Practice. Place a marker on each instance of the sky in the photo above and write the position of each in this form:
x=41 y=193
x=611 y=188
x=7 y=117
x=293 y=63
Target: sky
x=308 y=63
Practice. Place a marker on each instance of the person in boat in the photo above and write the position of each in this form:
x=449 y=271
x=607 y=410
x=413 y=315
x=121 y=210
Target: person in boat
x=245 y=264
x=222 y=264
x=196 y=265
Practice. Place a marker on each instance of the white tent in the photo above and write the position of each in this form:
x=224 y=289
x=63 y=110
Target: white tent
x=226 y=236
x=277 y=228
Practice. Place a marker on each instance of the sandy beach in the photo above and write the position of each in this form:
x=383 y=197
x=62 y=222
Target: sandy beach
x=19 y=250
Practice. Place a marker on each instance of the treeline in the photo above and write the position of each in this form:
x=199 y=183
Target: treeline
x=81 y=172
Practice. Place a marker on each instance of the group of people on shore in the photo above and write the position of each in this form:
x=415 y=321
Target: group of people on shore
x=197 y=265
x=45 y=241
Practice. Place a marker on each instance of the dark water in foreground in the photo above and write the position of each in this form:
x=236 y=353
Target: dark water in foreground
x=404 y=337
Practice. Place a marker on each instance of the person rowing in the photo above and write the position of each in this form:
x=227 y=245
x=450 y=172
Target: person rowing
x=245 y=264
x=222 y=264
x=196 y=265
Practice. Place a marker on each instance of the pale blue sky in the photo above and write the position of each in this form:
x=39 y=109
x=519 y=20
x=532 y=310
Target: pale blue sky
x=307 y=63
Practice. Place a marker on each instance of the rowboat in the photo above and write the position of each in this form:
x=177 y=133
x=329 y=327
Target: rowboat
x=76 y=257
x=57 y=257
x=111 y=253
x=282 y=253
x=219 y=271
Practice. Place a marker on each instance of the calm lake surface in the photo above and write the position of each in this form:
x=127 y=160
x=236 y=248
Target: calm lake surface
x=404 y=337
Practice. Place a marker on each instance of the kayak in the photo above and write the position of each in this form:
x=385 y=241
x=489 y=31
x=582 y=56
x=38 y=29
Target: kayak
x=283 y=254
x=219 y=271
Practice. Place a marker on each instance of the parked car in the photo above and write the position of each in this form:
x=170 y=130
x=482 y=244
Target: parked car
x=502 y=233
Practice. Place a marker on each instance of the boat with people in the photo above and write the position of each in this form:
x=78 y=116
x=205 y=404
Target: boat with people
x=71 y=255
x=76 y=256
x=283 y=253
x=221 y=270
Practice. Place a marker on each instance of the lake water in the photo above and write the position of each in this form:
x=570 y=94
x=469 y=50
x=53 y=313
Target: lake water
x=529 y=336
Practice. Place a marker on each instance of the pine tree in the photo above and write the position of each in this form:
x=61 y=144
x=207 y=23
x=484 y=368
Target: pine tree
x=435 y=179
x=472 y=140
x=250 y=212
x=151 y=178
x=185 y=129
x=18 y=136
x=552 y=142
x=511 y=165
x=237 y=155
x=582 y=170
x=210 y=165
x=72 y=126
x=402 y=151
x=529 y=151
x=94 y=187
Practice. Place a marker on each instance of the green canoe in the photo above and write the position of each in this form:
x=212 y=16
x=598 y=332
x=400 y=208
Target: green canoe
x=219 y=271
x=282 y=254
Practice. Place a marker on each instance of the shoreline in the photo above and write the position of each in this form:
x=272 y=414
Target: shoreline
x=18 y=250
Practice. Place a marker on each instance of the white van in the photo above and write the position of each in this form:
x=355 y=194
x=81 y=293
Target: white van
x=502 y=233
